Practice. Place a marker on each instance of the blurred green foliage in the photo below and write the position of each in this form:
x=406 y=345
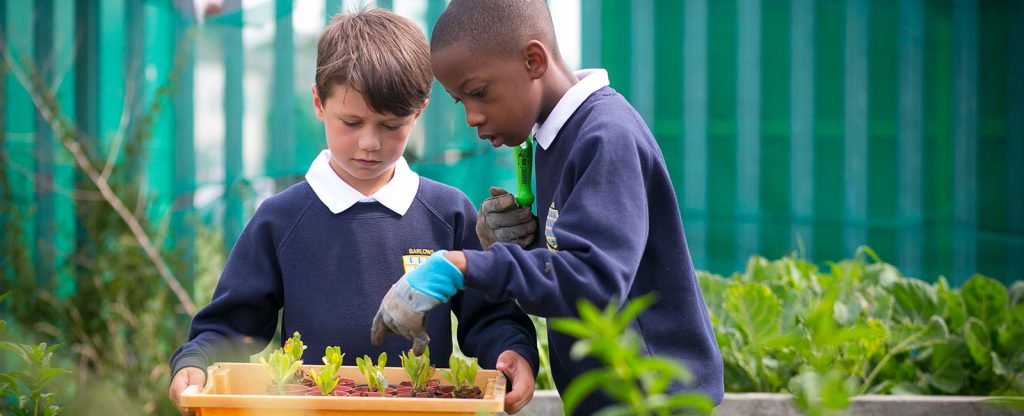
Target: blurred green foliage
x=862 y=328
x=639 y=382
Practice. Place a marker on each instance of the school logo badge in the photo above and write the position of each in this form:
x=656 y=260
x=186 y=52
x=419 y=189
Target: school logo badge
x=549 y=232
x=415 y=258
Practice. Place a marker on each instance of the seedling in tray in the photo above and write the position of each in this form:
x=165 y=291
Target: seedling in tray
x=281 y=369
x=418 y=368
x=462 y=375
x=374 y=374
x=327 y=378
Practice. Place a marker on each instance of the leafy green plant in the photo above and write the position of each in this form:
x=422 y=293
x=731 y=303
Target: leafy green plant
x=637 y=381
x=125 y=282
x=461 y=371
x=860 y=327
x=374 y=374
x=30 y=387
x=327 y=378
x=293 y=347
x=418 y=368
x=281 y=368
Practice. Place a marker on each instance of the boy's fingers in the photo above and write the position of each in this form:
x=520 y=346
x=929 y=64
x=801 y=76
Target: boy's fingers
x=503 y=202
x=498 y=191
x=419 y=343
x=508 y=218
x=508 y=234
x=378 y=330
x=187 y=376
x=522 y=390
x=523 y=242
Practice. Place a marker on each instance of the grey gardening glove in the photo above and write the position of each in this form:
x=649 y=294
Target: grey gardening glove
x=502 y=220
x=404 y=308
x=403 y=311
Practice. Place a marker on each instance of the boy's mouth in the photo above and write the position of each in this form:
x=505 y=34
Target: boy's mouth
x=366 y=162
x=495 y=140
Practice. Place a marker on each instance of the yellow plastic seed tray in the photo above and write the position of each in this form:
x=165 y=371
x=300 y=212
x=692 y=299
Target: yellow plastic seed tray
x=241 y=389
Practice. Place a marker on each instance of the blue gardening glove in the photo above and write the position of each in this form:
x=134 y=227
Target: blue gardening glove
x=404 y=308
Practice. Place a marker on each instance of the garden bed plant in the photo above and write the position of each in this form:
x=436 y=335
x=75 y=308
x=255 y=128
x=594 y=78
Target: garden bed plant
x=860 y=327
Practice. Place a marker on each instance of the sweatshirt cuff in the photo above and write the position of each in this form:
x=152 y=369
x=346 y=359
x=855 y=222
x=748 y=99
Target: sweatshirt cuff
x=530 y=354
x=190 y=360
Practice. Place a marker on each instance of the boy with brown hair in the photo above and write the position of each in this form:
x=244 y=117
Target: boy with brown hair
x=612 y=227
x=328 y=248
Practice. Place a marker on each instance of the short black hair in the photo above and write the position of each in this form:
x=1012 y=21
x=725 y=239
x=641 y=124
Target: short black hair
x=378 y=53
x=494 y=26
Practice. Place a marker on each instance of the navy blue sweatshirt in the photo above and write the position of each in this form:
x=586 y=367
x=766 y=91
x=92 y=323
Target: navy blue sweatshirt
x=612 y=228
x=329 y=273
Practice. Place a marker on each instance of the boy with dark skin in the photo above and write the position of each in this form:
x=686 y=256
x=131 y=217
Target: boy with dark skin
x=611 y=221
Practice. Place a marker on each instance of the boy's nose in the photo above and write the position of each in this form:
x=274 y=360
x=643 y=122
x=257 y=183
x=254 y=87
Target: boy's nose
x=369 y=143
x=474 y=119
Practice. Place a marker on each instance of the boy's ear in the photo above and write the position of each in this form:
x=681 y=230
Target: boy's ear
x=318 y=106
x=424 y=107
x=536 y=58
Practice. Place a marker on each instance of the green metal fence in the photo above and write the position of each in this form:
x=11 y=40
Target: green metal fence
x=787 y=125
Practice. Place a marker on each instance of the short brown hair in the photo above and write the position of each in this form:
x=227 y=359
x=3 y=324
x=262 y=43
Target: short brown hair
x=382 y=55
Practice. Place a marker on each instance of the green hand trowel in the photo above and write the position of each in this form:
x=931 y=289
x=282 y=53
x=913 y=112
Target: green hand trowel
x=524 y=168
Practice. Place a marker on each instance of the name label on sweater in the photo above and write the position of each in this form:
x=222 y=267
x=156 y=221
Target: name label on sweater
x=415 y=258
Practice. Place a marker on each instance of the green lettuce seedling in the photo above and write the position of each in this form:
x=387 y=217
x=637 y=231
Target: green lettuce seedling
x=327 y=379
x=418 y=368
x=374 y=374
x=294 y=347
x=281 y=368
x=461 y=371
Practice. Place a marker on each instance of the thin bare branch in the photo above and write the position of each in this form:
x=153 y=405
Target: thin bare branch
x=47 y=183
x=43 y=100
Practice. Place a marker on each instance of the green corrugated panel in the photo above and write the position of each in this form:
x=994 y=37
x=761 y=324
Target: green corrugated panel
x=993 y=142
x=111 y=61
x=667 y=123
x=184 y=148
x=937 y=143
x=776 y=159
x=21 y=126
x=158 y=60
x=282 y=162
x=232 y=49
x=829 y=115
x=890 y=124
x=1015 y=142
x=883 y=134
x=65 y=42
x=721 y=134
x=43 y=149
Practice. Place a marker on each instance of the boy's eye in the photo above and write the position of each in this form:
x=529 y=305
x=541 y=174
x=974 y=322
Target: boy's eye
x=350 y=123
x=480 y=93
x=392 y=127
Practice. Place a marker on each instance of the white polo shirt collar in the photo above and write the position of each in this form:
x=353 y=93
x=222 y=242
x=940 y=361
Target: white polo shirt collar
x=397 y=195
x=590 y=80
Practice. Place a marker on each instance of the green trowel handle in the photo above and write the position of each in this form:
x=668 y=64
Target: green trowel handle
x=524 y=168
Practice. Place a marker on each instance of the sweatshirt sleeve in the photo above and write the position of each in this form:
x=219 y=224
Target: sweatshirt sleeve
x=242 y=317
x=597 y=237
x=486 y=329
